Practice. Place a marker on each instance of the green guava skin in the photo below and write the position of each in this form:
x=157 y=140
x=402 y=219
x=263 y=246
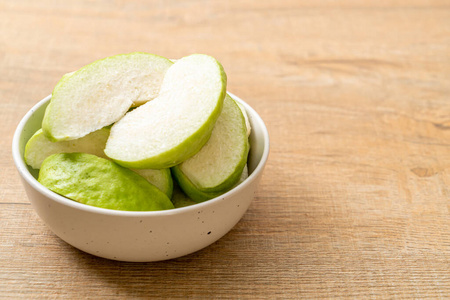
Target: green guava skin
x=96 y=181
x=179 y=198
x=161 y=178
x=191 y=190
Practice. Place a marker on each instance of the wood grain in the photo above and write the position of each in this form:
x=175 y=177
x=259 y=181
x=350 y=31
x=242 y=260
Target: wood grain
x=354 y=202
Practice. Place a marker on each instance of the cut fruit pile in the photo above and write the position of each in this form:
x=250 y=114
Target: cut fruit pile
x=118 y=130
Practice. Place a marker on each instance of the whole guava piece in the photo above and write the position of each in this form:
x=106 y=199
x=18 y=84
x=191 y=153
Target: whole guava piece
x=99 y=182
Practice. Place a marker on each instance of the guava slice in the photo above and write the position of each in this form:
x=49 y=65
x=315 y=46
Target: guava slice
x=218 y=166
x=179 y=198
x=161 y=178
x=174 y=126
x=99 y=182
x=100 y=93
x=40 y=147
x=247 y=121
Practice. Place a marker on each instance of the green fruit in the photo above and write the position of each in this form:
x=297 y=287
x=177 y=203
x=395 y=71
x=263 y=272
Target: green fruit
x=190 y=194
x=40 y=147
x=174 y=126
x=162 y=179
x=247 y=121
x=180 y=199
x=99 y=182
x=100 y=93
x=217 y=167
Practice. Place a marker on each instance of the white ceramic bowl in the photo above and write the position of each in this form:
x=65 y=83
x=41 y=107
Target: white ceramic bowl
x=140 y=236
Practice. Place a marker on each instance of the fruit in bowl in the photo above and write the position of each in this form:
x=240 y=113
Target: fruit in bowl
x=190 y=127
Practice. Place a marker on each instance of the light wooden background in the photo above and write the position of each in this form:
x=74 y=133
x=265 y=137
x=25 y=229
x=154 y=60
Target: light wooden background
x=355 y=199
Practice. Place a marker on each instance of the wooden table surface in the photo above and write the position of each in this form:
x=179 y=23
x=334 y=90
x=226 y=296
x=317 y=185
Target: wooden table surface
x=354 y=201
